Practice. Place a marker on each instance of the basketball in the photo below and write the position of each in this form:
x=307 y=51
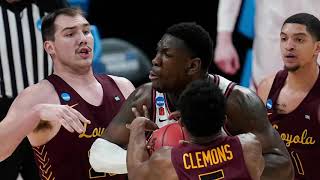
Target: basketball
x=168 y=135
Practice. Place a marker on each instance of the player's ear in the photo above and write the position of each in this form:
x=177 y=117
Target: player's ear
x=48 y=46
x=194 y=66
x=317 y=48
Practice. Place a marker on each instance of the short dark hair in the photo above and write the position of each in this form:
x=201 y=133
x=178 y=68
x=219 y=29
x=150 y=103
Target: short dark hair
x=310 y=21
x=197 y=39
x=48 y=28
x=202 y=107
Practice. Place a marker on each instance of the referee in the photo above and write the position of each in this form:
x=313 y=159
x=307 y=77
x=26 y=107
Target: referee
x=23 y=62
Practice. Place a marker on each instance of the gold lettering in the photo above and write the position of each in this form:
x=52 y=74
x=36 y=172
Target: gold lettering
x=309 y=140
x=207 y=158
x=191 y=162
x=296 y=139
x=186 y=166
x=226 y=149
x=221 y=154
x=97 y=132
x=214 y=155
x=199 y=165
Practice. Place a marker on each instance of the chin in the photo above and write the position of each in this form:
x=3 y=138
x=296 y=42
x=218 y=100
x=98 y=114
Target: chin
x=157 y=87
x=291 y=68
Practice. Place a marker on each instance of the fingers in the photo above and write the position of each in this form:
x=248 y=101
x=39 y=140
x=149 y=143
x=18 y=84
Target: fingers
x=221 y=65
x=150 y=126
x=236 y=63
x=229 y=69
x=72 y=120
x=184 y=142
x=71 y=123
x=175 y=115
x=135 y=112
x=79 y=115
x=145 y=111
x=66 y=125
x=142 y=122
x=138 y=114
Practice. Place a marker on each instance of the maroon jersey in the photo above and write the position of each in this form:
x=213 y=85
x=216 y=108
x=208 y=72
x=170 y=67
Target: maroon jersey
x=221 y=159
x=299 y=129
x=66 y=155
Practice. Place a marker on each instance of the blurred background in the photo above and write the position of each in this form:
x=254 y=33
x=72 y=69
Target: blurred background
x=127 y=33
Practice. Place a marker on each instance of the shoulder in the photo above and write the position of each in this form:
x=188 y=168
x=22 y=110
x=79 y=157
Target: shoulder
x=125 y=86
x=242 y=95
x=40 y=92
x=120 y=80
x=264 y=87
x=224 y=84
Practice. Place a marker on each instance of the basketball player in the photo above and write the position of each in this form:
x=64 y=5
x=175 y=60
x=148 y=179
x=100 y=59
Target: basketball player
x=184 y=55
x=292 y=95
x=210 y=154
x=72 y=99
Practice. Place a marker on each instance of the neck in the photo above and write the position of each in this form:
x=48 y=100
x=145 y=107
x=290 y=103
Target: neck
x=205 y=140
x=74 y=79
x=304 y=78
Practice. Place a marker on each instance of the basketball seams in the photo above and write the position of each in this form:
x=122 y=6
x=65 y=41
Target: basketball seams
x=164 y=134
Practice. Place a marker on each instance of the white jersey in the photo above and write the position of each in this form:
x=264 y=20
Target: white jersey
x=269 y=17
x=161 y=110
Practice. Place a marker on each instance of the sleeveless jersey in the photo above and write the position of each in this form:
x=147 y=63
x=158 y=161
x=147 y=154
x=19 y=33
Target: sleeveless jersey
x=220 y=159
x=66 y=156
x=299 y=129
x=160 y=104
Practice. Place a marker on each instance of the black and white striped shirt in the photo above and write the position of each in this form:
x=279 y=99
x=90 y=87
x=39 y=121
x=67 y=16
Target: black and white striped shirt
x=23 y=60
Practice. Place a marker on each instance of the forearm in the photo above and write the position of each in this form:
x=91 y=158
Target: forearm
x=15 y=127
x=137 y=152
x=228 y=12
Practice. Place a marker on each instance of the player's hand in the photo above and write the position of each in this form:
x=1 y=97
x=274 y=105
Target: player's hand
x=68 y=117
x=142 y=120
x=226 y=57
x=175 y=115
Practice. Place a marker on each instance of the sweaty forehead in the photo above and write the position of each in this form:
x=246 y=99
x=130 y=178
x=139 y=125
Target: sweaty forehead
x=169 y=41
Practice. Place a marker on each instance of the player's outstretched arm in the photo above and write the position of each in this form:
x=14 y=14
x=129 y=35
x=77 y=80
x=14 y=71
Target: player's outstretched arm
x=37 y=103
x=246 y=113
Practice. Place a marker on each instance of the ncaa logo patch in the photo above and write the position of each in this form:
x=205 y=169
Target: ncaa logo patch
x=269 y=104
x=65 y=96
x=160 y=101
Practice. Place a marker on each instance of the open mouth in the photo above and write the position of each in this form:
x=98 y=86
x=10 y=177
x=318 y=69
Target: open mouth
x=85 y=52
x=290 y=56
x=153 y=75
